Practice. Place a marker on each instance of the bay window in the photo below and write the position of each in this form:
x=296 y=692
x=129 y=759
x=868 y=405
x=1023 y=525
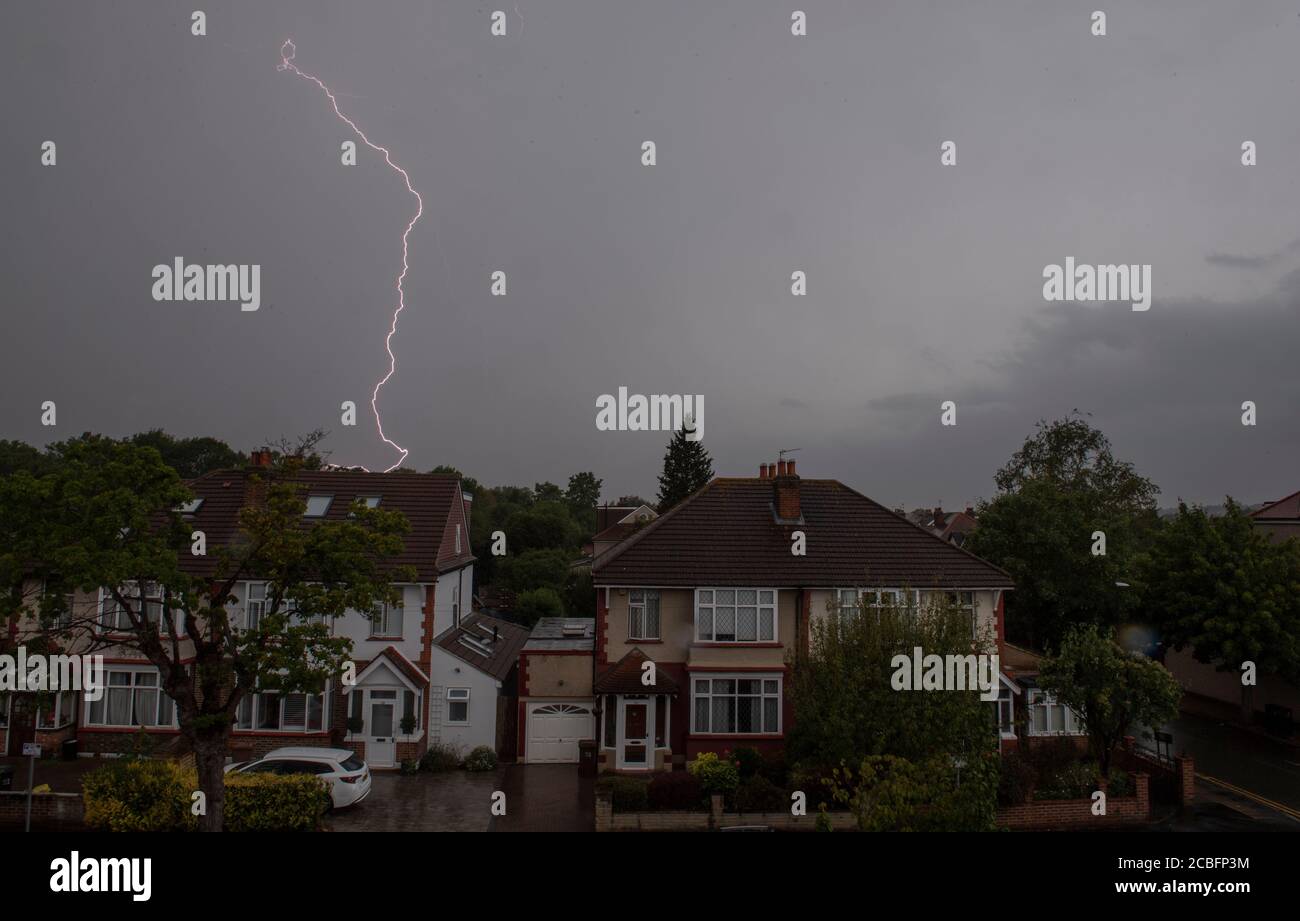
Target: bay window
x=736 y=705
x=735 y=615
x=58 y=711
x=274 y=711
x=643 y=614
x=1047 y=717
x=131 y=698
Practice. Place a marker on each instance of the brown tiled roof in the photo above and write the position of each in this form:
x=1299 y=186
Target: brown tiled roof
x=393 y=655
x=726 y=534
x=504 y=652
x=624 y=677
x=619 y=531
x=428 y=501
x=1287 y=508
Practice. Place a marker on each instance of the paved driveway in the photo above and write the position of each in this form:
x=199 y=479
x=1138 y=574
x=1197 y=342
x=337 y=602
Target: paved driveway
x=454 y=801
x=547 y=797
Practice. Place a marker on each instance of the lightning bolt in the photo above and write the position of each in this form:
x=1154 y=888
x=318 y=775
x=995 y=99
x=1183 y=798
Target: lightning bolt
x=288 y=51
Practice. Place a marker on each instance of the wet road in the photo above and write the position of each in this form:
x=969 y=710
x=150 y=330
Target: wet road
x=1244 y=759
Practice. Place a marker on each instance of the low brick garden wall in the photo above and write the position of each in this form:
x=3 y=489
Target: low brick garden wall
x=713 y=820
x=1076 y=813
x=50 y=811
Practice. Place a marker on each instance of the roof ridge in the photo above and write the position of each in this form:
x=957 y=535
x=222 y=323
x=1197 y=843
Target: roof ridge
x=637 y=536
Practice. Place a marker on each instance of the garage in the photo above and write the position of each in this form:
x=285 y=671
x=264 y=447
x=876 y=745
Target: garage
x=554 y=731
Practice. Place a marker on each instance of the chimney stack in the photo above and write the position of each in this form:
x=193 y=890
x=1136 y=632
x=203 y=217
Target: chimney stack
x=785 y=488
x=261 y=457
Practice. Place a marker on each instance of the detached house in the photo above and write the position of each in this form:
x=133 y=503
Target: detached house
x=400 y=670
x=701 y=611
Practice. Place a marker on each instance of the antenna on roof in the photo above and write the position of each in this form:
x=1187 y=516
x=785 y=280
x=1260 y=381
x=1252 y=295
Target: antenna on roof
x=780 y=455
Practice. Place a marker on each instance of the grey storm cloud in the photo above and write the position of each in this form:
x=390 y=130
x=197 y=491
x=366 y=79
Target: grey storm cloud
x=775 y=154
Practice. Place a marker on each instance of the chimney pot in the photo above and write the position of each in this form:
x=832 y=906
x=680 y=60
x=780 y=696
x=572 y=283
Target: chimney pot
x=780 y=468
x=762 y=471
x=789 y=468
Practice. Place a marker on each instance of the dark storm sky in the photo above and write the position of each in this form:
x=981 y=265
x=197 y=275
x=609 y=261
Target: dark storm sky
x=775 y=153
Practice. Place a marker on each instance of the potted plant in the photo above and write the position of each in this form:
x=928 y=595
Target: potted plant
x=355 y=724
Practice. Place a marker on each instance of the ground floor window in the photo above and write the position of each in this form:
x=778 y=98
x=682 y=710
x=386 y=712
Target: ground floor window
x=131 y=698
x=609 y=713
x=4 y=709
x=1004 y=712
x=1049 y=718
x=277 y=712
x=736 y=705
x=458 y=705
x=59 y=712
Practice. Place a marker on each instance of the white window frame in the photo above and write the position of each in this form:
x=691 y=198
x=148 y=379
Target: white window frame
x=328 y=500
x=254 y=701
x=1040 y=699
x=133 y=687
x=638 y=623
x=454 y=696
x=383 y=617
x=1006 y=701
x=846 y=608
x=973 y=606
x=764 y=694
x=252 y=604
x=706 y=599
x=152 y=608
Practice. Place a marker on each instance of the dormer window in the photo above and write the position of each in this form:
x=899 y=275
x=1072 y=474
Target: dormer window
x=317 y=506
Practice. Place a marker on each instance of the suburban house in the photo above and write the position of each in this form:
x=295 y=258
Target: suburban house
x=950 y=526
x=1279 y=520
x=474 y=668
x=701 y=612
x=398 y=673
x=614 y=523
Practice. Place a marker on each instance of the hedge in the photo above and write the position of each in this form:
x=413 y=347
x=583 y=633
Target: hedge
x=152 y=795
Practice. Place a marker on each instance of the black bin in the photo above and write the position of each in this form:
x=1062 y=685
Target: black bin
x=6 y=777
x=68 y=750
x=587 y=758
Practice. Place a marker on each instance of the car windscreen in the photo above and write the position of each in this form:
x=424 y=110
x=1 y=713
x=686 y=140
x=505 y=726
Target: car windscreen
x=353 y=764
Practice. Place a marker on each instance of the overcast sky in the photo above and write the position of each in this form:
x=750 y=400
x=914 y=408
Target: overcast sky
x=775 y=153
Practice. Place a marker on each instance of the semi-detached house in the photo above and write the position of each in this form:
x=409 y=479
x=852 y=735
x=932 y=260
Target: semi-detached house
x=700 y=612
x=400 y=668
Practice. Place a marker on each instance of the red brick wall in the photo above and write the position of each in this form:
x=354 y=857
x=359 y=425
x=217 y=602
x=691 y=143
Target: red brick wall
x=1073 y=813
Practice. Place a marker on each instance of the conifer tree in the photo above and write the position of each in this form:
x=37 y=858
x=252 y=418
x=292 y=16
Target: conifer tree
x=687 y=468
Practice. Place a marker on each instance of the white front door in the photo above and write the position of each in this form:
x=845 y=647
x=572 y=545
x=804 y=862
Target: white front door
x=381 y=727
x=636 y=721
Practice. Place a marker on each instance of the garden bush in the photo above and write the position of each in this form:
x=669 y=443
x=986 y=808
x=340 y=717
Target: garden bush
x=1076 y=780
x=1121 y=783
x=676 y=790
x=630 y=794
x=715 y=774
x=410 y=766
x=155 y=795
x=267 y=802
x=482 y=758
x=440 y=757
x=1016 y=778
x=748 y=761
x=758 y=794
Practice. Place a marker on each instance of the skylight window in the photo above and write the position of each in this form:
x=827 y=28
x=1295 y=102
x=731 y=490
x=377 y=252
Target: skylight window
x=370 y=501
x=189 y=508
x=317 y=506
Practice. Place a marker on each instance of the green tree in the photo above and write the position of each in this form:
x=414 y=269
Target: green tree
x=540 y=602
x=544 y=525
x=1110 y=689
x=845 y=704
x=1218 y=585
x=687 y=468
x=583 y=495
x=103 y=518
x=888 y=793
x=537 y=568
x=190 y=457
x=18 y=455
x=1055 y=494
x=547 y=492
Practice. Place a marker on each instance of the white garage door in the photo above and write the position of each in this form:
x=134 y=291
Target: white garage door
x=554 y=731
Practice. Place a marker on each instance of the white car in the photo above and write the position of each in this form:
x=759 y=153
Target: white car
x=346 y=774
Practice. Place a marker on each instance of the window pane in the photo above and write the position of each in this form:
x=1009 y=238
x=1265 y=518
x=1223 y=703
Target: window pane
x=706 y=597
x=769 y=714
x=268 y=711
x=724 y=624
x=724 y=714
x=766 y=597
x=746 y=596
x=766 y=624
x=294 y=711
x=315 y=711
x=119 y=706
x=726 y=596
x=724 y=686
x=702 y=713
x=458 y=711
x=652 y=616
x=611 y=722
x=166 y=708
x=747 y=624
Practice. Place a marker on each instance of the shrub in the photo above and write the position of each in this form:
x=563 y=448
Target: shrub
x=1016 y=778
x=482 y=758
x=816 y=784
x=266 y=802
x=1121 y=783
x=715 y=774
x=410 y=766
x=758 y=794
x=748 y=761
x=630 y=794
x=1050 y=757
x=1077 y=780
x=143 y=795
x=823 y=822
x=440 y=757
x=675 y=790
x=138 y=795
x=775 y=769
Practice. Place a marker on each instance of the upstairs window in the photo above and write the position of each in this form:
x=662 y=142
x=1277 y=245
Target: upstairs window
x=387 y=621
x=965 y=602
x=254 y=604
x=317 y=506
x=735 y=615
x=643 y=614
x=113 y=617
